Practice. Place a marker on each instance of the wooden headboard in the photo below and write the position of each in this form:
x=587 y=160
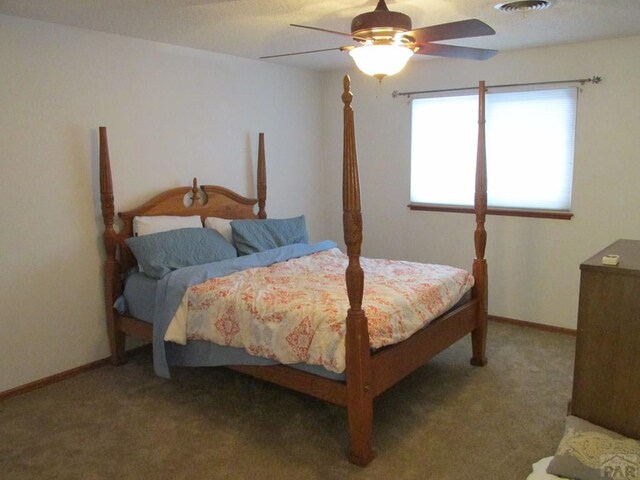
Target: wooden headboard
x=205 y=201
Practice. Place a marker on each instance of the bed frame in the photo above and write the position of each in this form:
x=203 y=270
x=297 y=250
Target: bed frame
x=368 y=373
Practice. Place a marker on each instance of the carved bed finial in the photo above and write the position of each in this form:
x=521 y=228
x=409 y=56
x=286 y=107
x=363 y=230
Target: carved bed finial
x=352 y=216
x=347 y=96
x=481 y=178
x=106 y=184
x=106 y=197
x=262 y=178
x=195 y=193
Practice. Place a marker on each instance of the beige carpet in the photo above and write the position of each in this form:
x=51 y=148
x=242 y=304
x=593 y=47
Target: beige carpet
x=448 y=420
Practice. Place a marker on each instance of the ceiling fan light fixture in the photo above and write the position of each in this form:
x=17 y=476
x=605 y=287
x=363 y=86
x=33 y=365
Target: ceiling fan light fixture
x=387 y=40
x=381 y=60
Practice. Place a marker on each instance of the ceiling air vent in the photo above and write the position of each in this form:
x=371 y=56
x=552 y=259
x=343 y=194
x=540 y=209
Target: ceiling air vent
x=523 y=6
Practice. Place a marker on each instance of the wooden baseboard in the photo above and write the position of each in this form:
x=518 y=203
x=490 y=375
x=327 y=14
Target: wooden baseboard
x=58 y=377
x=538 y=326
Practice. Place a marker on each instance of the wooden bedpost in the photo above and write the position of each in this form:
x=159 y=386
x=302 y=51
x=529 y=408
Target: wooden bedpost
x=111 y=268
x=479 y=334
x=262 y=178
x=358 y=352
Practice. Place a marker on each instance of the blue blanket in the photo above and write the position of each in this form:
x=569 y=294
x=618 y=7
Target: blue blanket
x=172 y=287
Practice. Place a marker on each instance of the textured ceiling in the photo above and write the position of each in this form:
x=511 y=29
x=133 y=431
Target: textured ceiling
x=253 y=28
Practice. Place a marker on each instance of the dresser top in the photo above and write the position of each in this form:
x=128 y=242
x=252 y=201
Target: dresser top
x=629 y=251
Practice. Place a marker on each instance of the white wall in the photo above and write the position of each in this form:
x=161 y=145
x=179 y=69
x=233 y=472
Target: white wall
x=533 y=263
x=172 y=113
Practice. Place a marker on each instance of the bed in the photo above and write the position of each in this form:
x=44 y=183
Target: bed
x=368 y=372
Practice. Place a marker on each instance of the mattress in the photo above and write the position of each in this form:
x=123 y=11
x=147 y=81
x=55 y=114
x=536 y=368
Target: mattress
x=138 y=301
x=295 y=311
x=139 y=297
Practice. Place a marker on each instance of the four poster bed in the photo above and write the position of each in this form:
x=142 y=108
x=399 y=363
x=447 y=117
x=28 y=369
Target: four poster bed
x=368 y=370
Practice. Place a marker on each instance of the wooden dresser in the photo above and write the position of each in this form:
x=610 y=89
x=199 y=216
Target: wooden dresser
x=606 y=383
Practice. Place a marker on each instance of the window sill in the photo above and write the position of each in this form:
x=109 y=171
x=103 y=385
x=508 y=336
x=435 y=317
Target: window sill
x=511 y=212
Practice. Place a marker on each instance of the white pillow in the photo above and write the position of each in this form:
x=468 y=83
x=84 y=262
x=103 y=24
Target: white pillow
x=163 y=223
x=222 y=225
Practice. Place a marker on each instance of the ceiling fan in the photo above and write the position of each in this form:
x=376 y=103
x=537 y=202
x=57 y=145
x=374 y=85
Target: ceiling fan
x=387 y=41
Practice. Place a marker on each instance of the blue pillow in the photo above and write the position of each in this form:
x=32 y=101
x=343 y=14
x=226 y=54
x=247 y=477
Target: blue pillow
x=160 y=253
x=250 y=236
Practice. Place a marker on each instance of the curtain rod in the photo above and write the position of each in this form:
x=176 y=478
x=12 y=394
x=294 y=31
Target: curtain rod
x=582 y=81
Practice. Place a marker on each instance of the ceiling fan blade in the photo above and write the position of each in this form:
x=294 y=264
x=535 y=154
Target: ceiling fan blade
x=307 y=51
x=448 y=31
x=329 y=31
x=453 y=51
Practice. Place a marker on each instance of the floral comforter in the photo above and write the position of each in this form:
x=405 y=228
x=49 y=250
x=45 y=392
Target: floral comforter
x=295 y=311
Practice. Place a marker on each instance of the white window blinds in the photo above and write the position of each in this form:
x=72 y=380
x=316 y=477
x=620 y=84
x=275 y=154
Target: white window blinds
x=529 y=137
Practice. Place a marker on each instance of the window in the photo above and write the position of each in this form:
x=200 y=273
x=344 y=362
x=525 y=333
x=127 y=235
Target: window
x=529 y=140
